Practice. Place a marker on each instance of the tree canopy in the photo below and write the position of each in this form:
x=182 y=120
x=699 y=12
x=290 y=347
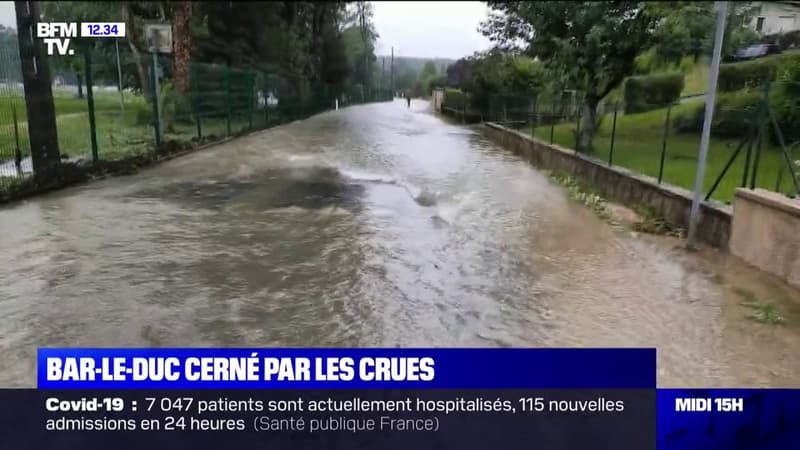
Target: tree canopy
x=593 y=45
x=303 y=43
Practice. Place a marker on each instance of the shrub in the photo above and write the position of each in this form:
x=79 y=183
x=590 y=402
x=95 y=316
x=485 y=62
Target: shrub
x=750 y=74
x=453 y=98
x=785 y=100
x=733 y=115
x=653 y=91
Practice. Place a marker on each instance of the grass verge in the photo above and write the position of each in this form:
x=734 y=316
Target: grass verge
x=638 y=144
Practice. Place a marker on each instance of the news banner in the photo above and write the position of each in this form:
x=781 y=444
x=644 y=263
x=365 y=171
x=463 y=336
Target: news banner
x=381 y=399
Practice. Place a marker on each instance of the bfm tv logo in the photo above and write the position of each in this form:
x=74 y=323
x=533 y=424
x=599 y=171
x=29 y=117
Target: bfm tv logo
x=57 y=35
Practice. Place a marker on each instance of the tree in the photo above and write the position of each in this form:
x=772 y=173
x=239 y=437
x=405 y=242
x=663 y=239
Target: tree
x=424 y=83
x=685 y=29
x=459 y=72
x=592 y=44
x=182 y=42
x=364 y=14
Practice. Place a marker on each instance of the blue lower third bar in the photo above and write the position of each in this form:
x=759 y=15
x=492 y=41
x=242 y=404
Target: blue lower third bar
x=722 y=419
x=195 y=368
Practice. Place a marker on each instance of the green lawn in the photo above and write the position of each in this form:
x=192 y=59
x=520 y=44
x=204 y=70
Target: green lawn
x=638 y=143
x=119 y=134
x=116 y=132
x=695 y=81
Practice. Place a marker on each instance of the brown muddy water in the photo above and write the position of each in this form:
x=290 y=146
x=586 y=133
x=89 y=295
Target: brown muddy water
x=374 y=225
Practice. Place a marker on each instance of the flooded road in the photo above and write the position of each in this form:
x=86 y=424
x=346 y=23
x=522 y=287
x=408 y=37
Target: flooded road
x=374 y=225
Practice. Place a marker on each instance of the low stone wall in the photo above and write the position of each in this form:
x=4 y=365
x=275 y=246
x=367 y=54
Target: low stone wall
x=619 y=184
x=766 y=233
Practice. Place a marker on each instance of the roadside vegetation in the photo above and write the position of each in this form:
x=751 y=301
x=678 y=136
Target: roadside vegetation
x=283 y=61
x=760 y=310
x=563 y=82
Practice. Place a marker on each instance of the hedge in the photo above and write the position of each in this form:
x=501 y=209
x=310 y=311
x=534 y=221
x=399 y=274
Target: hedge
x=733 y=115
x=453 y=98
x=649 y=92
x=736 y=112
x=750 y=74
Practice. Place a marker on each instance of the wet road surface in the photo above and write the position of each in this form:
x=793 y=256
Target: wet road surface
x=374 y=225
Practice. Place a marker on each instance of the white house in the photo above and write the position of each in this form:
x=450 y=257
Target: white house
x=776 y=17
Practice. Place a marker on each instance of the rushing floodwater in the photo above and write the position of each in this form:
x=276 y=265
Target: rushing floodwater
x=371 y=226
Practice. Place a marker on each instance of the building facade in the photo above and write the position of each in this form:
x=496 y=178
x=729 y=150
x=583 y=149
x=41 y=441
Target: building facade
x=776 y=17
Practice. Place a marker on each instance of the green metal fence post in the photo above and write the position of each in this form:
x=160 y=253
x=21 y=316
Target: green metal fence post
x=786 y=158
x=227 y=83
x=87 y=59
x=553 y=122
x=155 y=95
x=761 y=133
x=194 y=101
x=613 y=135
x=17 y=149
x=252 y=99
x=578 y=130
x=748 y=154
x=266 y=101
x=747 y=140
x=664 y=145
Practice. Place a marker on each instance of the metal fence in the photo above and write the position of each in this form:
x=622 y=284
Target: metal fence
x=754 y=134
x=105 y=110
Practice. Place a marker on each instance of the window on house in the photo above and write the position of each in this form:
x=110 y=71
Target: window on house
x=760 y=24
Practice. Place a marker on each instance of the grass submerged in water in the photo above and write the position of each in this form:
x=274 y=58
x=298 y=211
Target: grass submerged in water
x=761 y=311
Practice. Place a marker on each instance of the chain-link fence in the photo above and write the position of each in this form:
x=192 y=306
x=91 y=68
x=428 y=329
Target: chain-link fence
x=106 y=110
x=753 y=141
x=13 y=124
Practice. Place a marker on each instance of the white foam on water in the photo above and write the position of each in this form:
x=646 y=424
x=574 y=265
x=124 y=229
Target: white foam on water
x=368 y=177
x=450 y=211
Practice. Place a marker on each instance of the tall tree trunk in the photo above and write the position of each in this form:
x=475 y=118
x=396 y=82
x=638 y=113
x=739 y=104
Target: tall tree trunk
x=588 y=125
x=131 y=34
x=182 y=15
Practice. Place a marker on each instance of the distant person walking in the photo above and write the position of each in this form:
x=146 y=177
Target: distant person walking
x=408 y=99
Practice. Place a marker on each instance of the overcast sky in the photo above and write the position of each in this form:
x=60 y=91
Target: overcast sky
x=7 y=16
x=424 y=29
x=430 y=29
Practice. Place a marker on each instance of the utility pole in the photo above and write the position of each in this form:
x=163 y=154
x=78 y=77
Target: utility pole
x=42 y=132
x=694 y=216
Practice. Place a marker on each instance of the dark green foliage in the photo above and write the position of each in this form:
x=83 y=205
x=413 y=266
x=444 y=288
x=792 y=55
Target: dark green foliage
x=747 y=74
x=649 y=92
x=736 y=113
x=591 y=45
x=453 y=98
x=750 y=74
x=486 y=75
x=733 y=114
